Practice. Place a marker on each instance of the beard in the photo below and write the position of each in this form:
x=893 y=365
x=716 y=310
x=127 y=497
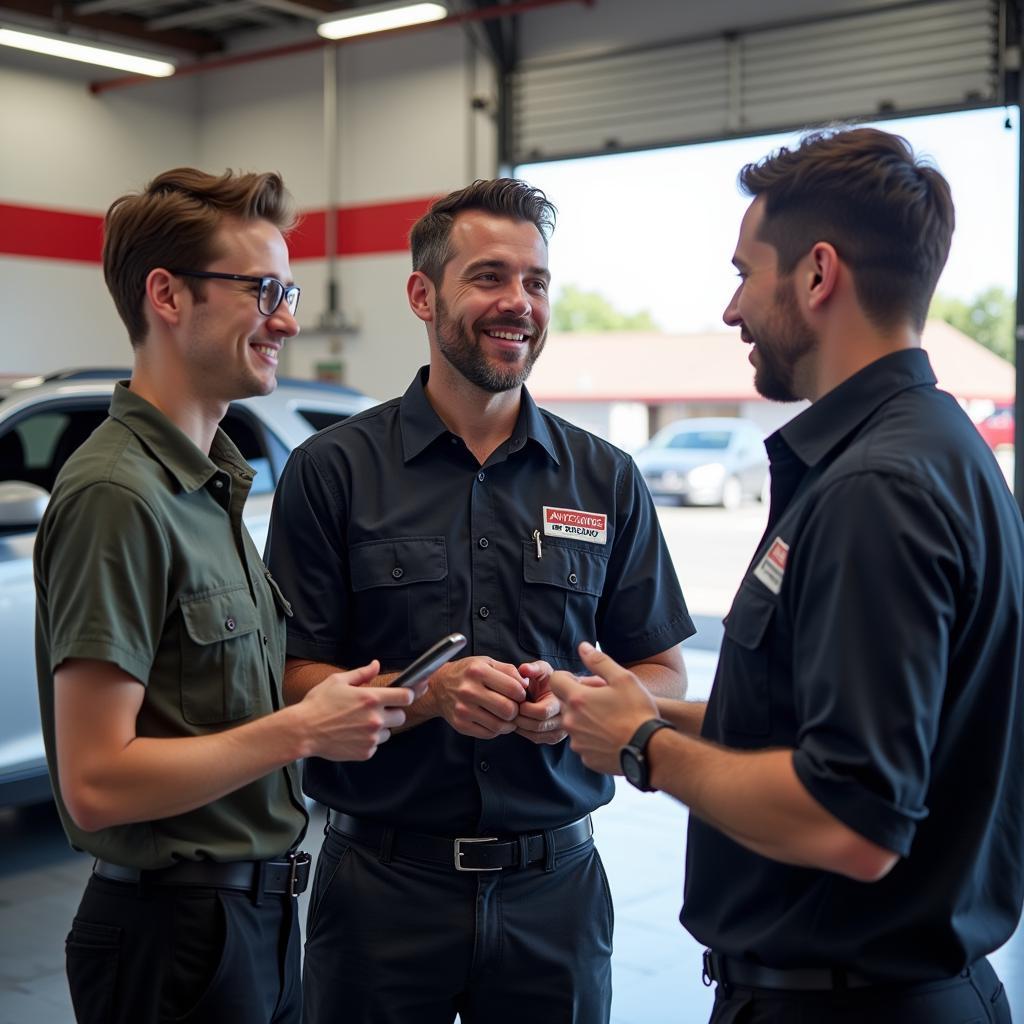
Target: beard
x=504 y=371
x=782 y=342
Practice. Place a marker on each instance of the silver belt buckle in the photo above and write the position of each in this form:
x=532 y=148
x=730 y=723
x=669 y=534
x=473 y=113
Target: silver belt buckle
x=295 y=858
x=458 y=852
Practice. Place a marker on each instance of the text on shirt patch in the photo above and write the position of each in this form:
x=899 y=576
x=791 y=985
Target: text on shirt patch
x=772 y=567
x=575 y=524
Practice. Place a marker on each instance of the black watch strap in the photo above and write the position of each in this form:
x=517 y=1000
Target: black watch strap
x=633 y=756
x=643 y=735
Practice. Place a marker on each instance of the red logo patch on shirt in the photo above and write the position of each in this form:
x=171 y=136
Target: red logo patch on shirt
x=771 y=569
x=576 y=524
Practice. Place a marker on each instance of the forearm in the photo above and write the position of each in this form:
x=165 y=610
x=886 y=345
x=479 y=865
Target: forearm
x=300 y=676
x=153 y=778
x=686 y=715
x=661 y=680
x=756 y=798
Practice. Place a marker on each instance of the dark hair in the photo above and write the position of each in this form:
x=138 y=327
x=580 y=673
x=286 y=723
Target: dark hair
x=888 y=214
x=172 y=223
x=430 y=237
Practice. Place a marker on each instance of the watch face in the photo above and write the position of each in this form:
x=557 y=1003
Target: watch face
x=633 y=768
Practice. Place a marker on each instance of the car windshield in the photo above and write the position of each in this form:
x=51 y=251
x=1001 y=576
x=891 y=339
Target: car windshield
x=704 y=440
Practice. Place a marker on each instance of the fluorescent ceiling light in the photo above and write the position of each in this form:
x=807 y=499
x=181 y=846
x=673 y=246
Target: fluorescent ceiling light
x=58 y=46
x=380 y=18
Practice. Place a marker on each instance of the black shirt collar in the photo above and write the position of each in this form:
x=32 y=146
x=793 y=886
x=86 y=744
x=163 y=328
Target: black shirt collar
x=421 y=425
x=828 y=421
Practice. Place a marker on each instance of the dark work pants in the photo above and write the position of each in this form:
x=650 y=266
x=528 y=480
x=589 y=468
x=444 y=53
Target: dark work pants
x=162 y=954
x=975 y=997
x=412 y=943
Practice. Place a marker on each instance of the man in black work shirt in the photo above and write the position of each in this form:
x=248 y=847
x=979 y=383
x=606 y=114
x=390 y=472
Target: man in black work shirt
x=855 y=845
x=459 y=876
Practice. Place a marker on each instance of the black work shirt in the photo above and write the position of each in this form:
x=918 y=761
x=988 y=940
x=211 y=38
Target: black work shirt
x=878 y=632
x=387 y=534
x=143 y=561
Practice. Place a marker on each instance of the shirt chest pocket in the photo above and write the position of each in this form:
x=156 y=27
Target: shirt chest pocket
x=221 y=656
x=559 y=597
x=744 y=692
x=400 y=596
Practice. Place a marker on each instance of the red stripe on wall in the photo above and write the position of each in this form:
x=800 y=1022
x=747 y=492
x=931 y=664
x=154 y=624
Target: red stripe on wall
x=50 y=234
x=380 y=228
x=59 y=235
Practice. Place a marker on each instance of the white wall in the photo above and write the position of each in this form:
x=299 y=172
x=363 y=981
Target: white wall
x=406 y=131
x=66 y=149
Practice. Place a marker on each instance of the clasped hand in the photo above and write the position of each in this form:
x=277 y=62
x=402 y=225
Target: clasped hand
x=484 y=698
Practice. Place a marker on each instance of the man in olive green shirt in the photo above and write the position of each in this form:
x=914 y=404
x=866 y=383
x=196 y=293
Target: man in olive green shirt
x=160 y=635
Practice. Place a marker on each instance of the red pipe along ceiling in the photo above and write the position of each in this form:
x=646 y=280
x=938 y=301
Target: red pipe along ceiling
x=465 y=17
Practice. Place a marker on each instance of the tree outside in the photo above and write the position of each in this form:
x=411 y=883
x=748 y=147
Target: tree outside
x=577 y=310
x=989 y=318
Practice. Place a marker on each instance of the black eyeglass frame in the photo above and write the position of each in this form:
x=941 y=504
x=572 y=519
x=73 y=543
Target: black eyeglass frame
x=285 y=290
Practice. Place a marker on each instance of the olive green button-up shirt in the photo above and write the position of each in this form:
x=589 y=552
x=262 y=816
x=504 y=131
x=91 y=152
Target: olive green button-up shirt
x=142 y=560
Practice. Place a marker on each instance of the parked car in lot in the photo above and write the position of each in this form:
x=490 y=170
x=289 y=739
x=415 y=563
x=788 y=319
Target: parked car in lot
x=997 y=428
x=42 y=421
x=706 y=462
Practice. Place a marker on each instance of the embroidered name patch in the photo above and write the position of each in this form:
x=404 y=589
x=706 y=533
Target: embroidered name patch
x=772 y=567
x=572 y=523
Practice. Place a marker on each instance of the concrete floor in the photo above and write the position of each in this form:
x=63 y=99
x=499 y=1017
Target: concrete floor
x=656 y=965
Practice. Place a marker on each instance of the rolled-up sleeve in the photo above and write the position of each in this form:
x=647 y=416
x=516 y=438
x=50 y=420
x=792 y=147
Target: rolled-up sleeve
x=877 y=573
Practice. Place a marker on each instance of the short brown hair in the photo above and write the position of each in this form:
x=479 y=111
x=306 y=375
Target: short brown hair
x=888 y=214
x=172 y=223
x=430 y=238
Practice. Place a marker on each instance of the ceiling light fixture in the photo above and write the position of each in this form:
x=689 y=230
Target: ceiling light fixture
x=60 y=46
x=380 y=18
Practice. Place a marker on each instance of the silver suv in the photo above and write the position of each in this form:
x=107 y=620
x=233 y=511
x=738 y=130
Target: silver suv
x=42 y=421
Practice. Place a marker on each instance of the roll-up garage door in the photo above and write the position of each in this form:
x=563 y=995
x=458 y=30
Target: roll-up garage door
x=901 y=59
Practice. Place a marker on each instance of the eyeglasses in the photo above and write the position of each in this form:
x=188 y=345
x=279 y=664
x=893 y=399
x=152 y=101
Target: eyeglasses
x=269 y=296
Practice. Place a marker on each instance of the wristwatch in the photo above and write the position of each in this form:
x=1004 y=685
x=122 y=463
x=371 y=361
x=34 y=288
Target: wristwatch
x=633 y=756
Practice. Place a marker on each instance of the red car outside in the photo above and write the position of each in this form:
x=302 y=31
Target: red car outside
x=997 y=428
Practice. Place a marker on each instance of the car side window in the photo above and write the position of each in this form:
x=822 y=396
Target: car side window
x=37 y=445
x=318 y=419
x=249 y=437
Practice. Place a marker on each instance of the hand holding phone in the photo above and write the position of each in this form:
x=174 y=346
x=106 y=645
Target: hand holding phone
x=430 y=661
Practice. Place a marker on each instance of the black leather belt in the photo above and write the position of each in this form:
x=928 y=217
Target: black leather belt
x=731 y=971
x=258 y=877
x=469 y=853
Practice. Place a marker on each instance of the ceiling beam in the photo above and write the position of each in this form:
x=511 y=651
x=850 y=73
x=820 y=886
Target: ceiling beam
x=132 y=28
x=234 y=60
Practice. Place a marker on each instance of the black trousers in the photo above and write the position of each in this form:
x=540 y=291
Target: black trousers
x=411 y=943
x=162 y=954
x=975 y=997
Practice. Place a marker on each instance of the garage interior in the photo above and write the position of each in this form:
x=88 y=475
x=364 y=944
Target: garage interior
x=366 y=131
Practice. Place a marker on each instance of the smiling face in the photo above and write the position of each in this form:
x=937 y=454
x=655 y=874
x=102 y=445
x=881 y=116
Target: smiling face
x=491 y=310
x=230 y=346
x=765 y=309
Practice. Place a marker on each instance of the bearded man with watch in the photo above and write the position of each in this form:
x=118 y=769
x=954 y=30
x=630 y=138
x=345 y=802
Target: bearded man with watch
x=855 y=781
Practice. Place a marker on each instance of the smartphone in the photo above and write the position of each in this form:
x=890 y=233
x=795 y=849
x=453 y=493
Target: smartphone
x=430 y=660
